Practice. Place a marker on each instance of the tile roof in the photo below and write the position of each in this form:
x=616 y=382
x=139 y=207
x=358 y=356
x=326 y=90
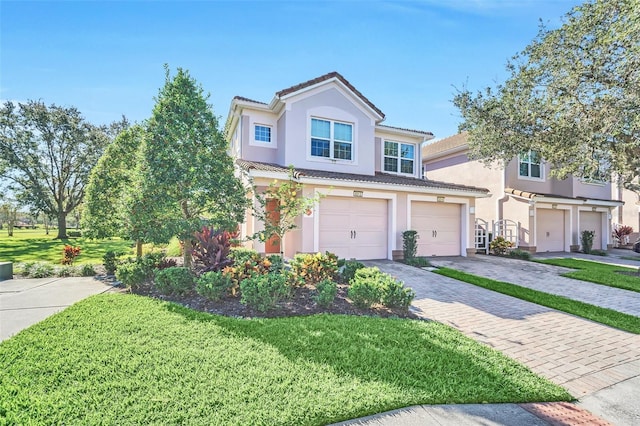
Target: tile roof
x=532 y=195
x=377 y=178
x=445 y=144
x=325 y=77
x=242 y=98
x=406 y=130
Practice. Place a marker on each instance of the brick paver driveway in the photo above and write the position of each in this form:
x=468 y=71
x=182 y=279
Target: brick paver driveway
x=546 y=278
x=581 y=355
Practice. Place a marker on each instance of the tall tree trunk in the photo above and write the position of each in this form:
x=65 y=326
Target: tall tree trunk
x=188 y=248
x=46 y=224
x=138 y=249
x=62 y=225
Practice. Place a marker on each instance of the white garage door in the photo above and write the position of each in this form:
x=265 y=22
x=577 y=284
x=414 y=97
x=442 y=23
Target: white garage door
x=438 y=227
x=549 y=230
x=592 y=221
x=354 y=228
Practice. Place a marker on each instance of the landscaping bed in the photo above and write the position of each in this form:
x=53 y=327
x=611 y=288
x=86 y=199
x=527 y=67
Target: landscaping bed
x=300 y=302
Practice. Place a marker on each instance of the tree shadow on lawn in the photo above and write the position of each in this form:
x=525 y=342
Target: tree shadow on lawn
x=422 y=358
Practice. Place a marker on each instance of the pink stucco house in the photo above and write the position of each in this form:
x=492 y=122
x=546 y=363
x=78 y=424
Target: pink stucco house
x=369 y=173
x=535 y=211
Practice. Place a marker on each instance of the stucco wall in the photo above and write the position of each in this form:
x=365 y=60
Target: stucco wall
x=330 y=104
x=257 y=151
x=459 y=169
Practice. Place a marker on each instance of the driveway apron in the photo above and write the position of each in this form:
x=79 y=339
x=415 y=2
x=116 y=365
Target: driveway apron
x=583 y=356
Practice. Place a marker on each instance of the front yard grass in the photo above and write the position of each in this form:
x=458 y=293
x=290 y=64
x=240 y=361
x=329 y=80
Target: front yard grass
x=126 y=359
x=33 y=245
x=585 y=310
x=599 y=273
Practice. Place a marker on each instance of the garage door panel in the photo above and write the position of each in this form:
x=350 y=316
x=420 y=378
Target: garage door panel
x=354 y=228
x=550 y=230
x=438 y=227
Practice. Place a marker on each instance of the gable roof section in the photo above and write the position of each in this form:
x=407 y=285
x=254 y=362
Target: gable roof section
x=443 y=146
x=381 y=178
x=329 y=76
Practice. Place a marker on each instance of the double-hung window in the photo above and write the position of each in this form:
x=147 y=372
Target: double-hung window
x=399 y=157
x=529 y=165
x=331 y=139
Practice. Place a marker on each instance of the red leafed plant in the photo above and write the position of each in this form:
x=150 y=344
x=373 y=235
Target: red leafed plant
x=212 y=248
x=69 y=254
x=621 y=231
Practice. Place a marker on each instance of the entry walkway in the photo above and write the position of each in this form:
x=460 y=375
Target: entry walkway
x=583 y=356
x=24 y=302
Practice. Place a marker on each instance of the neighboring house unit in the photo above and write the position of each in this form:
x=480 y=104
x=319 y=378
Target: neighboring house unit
x=544 y=213
x=369 y=174
x=629 y=213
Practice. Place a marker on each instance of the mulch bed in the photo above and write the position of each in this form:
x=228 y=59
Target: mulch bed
x=301 y=303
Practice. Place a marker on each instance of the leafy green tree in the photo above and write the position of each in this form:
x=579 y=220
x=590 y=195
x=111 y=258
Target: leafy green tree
x=290 y=205
x=572 y=95
x=47 y=155
x=186 y=177
x=9 y=215
x=110 y=193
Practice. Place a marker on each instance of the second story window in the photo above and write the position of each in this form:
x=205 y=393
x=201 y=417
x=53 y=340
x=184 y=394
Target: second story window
x=399 y=157
x=262 y=133
x=331 y=139
x=529 y=165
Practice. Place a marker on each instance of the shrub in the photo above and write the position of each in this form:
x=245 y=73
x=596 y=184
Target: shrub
x=349 y=269
x=621 y=233
x=586 y=238
x=371 y=286
x=520 y=254
x=242 y=254
x=325 y=293
x=38 y=270
x=66 y=271
x=419 y=262
x=365 y=289
x=263 y=292
x=499 y=245
x=313 y=268
x=409 y=244
x=87 y=270
x=241 y=271
x=176 y=280
x=212 y=248
x=110 y=261
x=394 y=293
x=131 y=274
x=277 y=263
x=69 y=254
x=151 y=261
x=213 y=285
x=599 y=252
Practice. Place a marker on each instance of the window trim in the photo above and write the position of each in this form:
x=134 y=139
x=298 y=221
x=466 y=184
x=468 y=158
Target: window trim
x=266 y=126
x=399 y=158
x=529 y=163
x=332 y=141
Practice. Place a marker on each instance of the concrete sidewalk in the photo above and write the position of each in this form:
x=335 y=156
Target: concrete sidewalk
x=24 y=302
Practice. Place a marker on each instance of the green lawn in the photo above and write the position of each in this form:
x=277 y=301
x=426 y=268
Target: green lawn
x=596 y=272
x=595 y=313
x=126 y=359
x=34 y=245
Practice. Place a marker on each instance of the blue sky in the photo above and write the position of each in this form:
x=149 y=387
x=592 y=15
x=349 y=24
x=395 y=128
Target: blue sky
x=106 y=57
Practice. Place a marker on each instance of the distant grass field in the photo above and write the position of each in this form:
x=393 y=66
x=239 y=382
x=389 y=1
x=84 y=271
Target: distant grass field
x=33 y=245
